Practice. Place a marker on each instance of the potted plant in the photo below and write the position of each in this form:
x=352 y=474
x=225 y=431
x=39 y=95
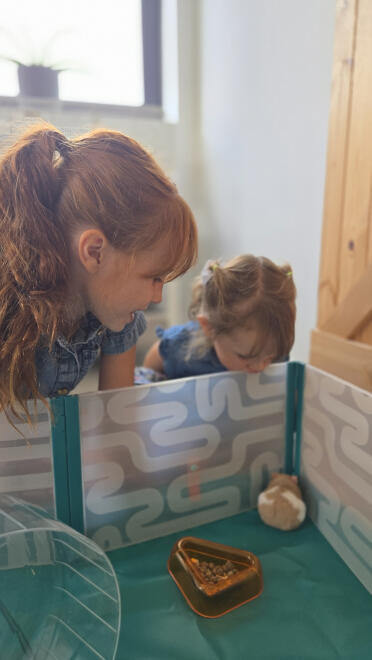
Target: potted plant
x=37 y=80
x=37 y=74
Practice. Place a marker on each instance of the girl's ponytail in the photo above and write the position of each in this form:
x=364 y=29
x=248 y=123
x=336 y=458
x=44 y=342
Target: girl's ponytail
x=32 y=257
x=30 y=185
x=219 y=286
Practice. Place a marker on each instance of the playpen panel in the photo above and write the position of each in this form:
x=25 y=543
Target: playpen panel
x=26 y=469
x=336 y=467
x=163 y=458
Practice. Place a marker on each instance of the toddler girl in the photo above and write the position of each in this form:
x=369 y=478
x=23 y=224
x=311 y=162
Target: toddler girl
x=243 y=318
x=91 y=229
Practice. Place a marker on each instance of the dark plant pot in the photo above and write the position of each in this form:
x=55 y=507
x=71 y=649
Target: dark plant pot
x=40 y=81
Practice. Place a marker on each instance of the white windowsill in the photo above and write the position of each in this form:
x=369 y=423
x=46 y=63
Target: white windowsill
x=42 y=104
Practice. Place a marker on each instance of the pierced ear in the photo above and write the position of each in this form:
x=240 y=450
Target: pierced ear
x=91 y=247
x=205 y=325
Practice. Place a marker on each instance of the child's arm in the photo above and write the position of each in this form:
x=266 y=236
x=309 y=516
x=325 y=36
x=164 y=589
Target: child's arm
x=153 y=359
x=117 y=370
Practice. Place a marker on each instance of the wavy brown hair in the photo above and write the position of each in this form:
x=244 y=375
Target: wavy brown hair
x=49 y=187
x=246 y=292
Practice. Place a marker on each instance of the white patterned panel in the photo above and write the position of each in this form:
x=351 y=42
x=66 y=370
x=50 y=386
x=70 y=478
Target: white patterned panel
x=26 y=459
x=166 y=457
x=336 y=467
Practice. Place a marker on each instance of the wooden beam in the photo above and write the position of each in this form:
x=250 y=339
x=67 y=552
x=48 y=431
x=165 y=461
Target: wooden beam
x=354 y=310
x=337 y=157
x=344 y=358
x=356 y=241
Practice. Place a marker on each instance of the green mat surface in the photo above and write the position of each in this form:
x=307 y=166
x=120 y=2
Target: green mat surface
x=312 y=606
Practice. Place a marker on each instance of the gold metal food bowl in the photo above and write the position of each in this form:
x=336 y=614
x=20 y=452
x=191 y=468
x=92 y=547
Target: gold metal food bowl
x=214 y=578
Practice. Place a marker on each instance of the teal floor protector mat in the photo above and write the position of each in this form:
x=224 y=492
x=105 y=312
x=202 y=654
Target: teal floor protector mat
x=312 y=606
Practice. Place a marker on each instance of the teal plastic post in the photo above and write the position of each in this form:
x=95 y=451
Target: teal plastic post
x=75 y=480
x=300 y=384
x=60 y=465
x=290 y=416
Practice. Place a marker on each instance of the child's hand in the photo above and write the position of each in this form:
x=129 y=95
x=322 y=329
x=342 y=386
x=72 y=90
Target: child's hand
x=153 y=359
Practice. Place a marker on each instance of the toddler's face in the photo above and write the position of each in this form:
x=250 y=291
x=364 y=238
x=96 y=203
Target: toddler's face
x=126 y=285
x=237 y=351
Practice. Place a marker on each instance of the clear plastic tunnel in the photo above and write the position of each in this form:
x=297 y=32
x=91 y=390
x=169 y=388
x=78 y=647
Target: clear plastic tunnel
x=59 y=597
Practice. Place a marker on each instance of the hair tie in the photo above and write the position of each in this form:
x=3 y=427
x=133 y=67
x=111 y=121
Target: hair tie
x=208 y=271
x=62 y=148
x=289 y=274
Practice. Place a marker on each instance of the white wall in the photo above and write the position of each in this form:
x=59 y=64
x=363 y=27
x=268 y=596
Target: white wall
x=265 y=87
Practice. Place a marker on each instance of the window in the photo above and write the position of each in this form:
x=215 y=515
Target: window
x=109 y=51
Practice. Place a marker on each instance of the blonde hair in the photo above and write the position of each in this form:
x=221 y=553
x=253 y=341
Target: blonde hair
x=49 y=186
x=245 y=292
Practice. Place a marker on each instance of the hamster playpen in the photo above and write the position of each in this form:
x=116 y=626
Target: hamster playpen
x=125 y=472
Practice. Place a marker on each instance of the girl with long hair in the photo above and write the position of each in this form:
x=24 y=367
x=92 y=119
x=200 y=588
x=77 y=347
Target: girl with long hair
x=91 y=229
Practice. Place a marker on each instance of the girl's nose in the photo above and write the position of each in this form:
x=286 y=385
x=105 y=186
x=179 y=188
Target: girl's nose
x=258 y=366
x=157 y=292
x=261 y=365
